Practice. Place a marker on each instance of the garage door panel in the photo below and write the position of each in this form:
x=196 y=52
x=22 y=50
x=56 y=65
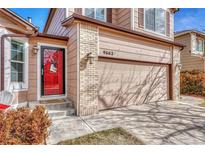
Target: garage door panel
x=123 y=84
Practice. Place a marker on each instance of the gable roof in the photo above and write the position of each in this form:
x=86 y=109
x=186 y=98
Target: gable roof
x=183 y=32
x=18 y=18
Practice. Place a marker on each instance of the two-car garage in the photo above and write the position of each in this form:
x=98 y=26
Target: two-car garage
x=132 y=71
x=124 y=83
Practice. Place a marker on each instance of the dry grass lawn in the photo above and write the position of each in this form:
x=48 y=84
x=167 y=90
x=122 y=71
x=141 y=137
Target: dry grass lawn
x=202 y=103
x=115 y=136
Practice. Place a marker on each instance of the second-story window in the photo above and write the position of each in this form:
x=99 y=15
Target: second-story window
x=96 y=13
x=155 y=20
x=200 y=46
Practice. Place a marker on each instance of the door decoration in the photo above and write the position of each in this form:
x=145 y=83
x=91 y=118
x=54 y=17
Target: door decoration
x=53 y=67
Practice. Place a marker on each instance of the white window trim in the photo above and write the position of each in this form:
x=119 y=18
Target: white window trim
x=196 y=51
x=66 y=12
x=155 y=31
x=20 y=62
x=105 y=20
x=133 y=18
x=50 y=97
x=19 y=86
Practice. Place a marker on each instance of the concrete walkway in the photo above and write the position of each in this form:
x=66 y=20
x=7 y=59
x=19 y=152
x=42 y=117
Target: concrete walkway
x=196 y=101
x=165 y=122
x=67 y=128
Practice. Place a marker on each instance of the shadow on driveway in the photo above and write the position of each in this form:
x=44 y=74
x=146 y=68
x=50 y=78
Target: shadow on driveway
x=166 y=122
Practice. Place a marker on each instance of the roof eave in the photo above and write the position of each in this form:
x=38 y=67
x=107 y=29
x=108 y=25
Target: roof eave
x=75 y=16
x=20 y=18
x=188 y=32
x=52 y=36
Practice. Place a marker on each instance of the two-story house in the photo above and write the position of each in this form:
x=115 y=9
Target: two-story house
x=192 y=57
x=113 y=57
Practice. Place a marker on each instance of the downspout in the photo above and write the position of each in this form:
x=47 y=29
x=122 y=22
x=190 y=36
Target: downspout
x=2 y=54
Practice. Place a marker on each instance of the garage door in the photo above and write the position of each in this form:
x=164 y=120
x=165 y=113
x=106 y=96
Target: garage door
x=125 y=83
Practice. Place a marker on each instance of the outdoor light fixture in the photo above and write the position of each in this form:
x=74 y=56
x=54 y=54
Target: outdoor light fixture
x=179 y=66
x=90 y=57
x=35 y=49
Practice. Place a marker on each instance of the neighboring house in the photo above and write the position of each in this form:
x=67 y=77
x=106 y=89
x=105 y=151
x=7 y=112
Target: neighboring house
x=192 y=56
x=114 y=57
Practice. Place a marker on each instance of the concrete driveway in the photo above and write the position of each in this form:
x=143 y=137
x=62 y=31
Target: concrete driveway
x=165 y=122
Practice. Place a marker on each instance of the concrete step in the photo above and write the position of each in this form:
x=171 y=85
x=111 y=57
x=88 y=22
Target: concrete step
x=58 y=106
x=53 y=104
x=61 y=113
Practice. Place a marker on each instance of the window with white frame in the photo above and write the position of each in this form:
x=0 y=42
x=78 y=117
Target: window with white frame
x=155 y=19
x=96 y=13
x=17 y=61
x=200 y=46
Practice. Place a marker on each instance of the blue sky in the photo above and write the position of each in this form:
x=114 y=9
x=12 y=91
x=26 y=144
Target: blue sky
x=38 y=15
x=188 y=18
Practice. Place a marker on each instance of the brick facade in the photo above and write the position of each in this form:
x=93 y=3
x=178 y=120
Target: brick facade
x=88 y=43
x=176 y=73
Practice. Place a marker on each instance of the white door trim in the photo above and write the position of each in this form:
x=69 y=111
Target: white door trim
x=39 y=97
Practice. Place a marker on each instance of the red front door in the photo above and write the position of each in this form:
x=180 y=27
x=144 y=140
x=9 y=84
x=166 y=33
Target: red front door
x=52 y=71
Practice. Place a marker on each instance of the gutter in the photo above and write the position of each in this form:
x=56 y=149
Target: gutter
x=52 y=36
x=2 y=54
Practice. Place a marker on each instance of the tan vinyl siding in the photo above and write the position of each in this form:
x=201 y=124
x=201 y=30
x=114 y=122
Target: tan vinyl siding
x=32 y=84
x=20 y=97
x=134 y=48
x=55 y=27
x=189 y=61
x=137 y=28
x=72 y=65
x=122 y=17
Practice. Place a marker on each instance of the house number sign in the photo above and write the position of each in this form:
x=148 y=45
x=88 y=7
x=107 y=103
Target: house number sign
x=109 y=53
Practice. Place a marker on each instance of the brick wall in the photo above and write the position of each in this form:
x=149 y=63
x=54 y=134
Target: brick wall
x=176 y=73
x=88 y=101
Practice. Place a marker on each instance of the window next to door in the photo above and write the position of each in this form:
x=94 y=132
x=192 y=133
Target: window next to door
x=18 y=62
x=155 y=20
x=95 y=13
